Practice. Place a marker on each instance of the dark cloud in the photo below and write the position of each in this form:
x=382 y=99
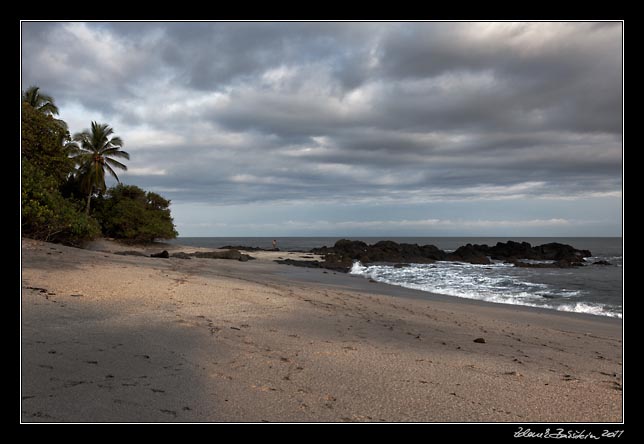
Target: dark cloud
x=274 y=112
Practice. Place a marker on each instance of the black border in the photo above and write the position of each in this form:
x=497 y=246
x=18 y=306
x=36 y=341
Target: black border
x=475 y=431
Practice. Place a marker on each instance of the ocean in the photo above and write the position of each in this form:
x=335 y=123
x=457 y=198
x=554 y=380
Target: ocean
x=592 y=289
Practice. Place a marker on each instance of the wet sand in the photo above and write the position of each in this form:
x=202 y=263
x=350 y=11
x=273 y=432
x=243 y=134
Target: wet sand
x=111 y=338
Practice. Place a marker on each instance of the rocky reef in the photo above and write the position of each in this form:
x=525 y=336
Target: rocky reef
x=345 y=252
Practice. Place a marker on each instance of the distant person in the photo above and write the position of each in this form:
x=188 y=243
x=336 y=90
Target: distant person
x=274 y=244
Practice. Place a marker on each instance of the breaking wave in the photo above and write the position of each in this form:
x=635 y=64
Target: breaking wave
x=498 y=282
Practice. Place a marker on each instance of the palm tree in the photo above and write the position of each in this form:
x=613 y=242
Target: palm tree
x=45 y=104
x=41 y=102
x=93 y=152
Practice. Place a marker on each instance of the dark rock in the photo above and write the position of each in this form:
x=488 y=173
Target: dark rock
x=164 y=254
x=509 y=250
x=329 y=265
x=180 y=255
x=557 y=251
x=401 y=265
x=130 y=253
x=480 y=340
x=228 y=254
x=554 y=251
x=306 y=264
x=570 y=262
x=342 y=255
x=243 y=248
x=602 y=263
x=469 y=253
x=345 y=251
x=432 y=252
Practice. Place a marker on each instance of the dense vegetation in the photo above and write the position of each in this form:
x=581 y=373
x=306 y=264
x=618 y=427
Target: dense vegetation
x=128 y=212
x=62 y=175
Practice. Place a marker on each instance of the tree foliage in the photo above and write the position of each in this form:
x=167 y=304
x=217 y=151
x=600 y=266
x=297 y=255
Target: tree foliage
x=95 y=151
x=53 y=191
x=127 y=212
x=47 y=215
x=43 y=104
x=43 y=144
x=39 y=102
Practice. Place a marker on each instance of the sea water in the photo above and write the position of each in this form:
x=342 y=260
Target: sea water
x=593 y=289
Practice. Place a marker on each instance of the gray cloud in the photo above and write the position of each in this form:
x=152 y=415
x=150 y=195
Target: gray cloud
x=237 y=113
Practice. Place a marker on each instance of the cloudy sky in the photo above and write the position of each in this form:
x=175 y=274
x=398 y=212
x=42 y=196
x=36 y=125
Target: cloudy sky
x=382 y=129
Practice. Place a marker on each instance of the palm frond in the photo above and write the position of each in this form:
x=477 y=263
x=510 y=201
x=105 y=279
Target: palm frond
x=116 y=141
x=115 y=163
x=94 y=155
x=111 y=171
x=48 y=107
x=116 y=152
x=42 y=102
x=72 y=149
x=30 y=95
x=82 y=136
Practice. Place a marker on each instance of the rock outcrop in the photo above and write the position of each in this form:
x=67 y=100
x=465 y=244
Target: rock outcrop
x=469 y=253
x=602 y=263
x=227 y=254
x=181 y=255
x=554 y=251
x=131 y=253
x=245 y=248
x=345 y=252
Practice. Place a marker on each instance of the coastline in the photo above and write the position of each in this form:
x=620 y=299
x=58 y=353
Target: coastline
x=136 y=339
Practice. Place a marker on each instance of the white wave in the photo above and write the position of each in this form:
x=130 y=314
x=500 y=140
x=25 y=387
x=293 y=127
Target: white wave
x=357 y=268
x=604 y=258
x=489 y=283
x=595 y=309
x=537 y=262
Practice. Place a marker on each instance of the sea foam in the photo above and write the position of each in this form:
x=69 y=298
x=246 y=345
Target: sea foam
x=498 y=282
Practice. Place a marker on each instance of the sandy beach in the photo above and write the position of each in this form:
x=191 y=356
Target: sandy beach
x=113 y=338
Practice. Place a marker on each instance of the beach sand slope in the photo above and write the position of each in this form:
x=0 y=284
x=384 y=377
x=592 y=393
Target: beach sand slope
x=111 y=338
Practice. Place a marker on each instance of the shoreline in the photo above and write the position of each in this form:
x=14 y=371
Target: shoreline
x=258 y=341
x=349 y=282
x=508 y=252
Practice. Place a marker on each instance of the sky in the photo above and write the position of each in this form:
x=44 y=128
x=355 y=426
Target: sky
x=353 y=128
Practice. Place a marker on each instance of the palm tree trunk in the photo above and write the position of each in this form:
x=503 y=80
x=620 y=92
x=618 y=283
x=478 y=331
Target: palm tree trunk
x=89 y=199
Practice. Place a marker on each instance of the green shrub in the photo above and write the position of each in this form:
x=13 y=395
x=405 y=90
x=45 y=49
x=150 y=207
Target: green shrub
x=129 y=213
x=47 y=216
x=53 y=201
x=43 y=144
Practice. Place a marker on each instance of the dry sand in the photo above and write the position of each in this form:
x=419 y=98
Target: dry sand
x=110 y=338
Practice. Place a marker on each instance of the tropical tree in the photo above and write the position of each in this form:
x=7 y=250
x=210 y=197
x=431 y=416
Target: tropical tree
x=129 y=213
x=46 y=214
x=41 y=102
x=44 y=104
x=94 y=152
